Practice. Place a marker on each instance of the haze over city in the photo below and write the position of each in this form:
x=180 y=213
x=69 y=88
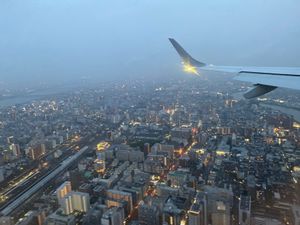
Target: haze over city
x=149 y=112
x=66 y=41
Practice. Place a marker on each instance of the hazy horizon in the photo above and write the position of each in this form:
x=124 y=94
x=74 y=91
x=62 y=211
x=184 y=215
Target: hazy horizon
x=55 y=41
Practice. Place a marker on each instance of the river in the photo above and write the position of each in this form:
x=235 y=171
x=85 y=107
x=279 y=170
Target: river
x=27 y=98
x=293 y=112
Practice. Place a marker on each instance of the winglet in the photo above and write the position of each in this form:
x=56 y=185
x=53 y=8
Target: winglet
x=184 y=55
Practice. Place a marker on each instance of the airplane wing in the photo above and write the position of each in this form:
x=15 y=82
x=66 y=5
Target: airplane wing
x=265 y=79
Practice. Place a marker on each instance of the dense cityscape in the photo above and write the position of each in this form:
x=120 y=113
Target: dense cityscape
x=175 y=152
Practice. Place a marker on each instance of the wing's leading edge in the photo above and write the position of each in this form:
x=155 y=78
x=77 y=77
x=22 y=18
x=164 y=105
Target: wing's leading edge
x=265 y=79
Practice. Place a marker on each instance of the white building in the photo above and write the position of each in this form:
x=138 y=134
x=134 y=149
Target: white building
x=75 y=201
x=63 y=190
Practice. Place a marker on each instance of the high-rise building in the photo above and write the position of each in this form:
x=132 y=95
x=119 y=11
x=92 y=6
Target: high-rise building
x=148 y=214
x=147 y=149
x=100 y=163
x=296 y=214
x=233 y=139
x=2 y=174
x=36 y=151
x=75 y=178
x=100 y=160
x=218 y=194
x=94 y=215
x=75 y=201
x=168 y=149
x=63 y=190
x=172 y=214
x=244 y=210
x=113 y=216
x=10 y=140
x=15 y=149
x=197 y=213
x=121 y=195
x=67 y=204
x=220 y=214
x=80 y=201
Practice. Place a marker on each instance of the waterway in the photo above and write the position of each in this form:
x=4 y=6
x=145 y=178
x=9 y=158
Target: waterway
x=27 y=98
x=293 y=112
x=286 y=110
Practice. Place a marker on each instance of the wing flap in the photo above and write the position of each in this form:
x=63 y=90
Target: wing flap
x=274 y=80
x=259 y=90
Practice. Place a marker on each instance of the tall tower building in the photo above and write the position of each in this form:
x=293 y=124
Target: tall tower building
x=113 y=216
x=148 y=214
x=147 y=149
x=172 y=214
x=80 y=201
x=37 y=151
x=233 y=139
x=198 y=212
x=245 y=210
x=15 y=149
x=220 y=214
x=195 y=215
x=100 y=160
x=10 y=140
x=75 y=201
x=63 y=190
x=121 y=195
x=66 y=204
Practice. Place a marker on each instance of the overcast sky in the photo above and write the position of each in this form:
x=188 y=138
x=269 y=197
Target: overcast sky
x=64 y=40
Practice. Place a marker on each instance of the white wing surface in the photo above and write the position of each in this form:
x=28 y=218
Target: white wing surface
x=265 y=79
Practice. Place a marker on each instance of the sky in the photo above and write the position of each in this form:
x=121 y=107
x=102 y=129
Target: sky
x=50 y=41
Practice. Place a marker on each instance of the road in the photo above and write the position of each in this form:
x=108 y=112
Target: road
x=17 y=186
x=37 y=186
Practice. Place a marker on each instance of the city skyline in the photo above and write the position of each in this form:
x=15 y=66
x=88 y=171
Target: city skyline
x=179 y=151
x=100 y=124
